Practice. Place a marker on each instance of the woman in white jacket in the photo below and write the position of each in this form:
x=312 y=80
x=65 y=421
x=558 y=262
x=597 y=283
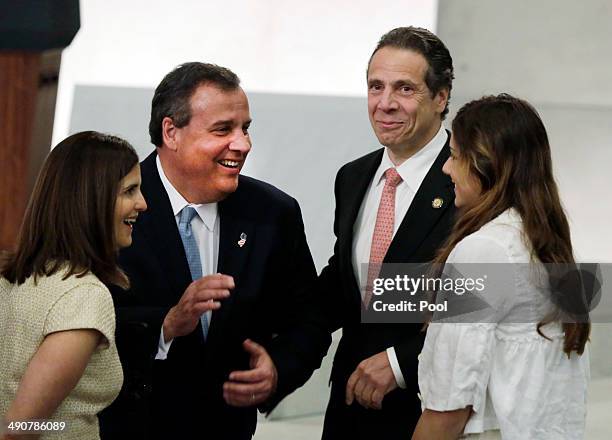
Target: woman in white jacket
x=516 y=369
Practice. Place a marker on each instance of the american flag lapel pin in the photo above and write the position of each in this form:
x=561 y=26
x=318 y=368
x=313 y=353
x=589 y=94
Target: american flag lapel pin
x=242 y=240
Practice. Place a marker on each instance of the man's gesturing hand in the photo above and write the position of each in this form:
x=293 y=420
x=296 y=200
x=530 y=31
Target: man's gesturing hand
x=254 y=386
x=371 y=381
x=200 y=296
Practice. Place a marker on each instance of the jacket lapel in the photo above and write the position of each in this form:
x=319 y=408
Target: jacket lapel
x=354 y=192
x=233 y=252
x=352 y=198
x=424 y=212
x=164 y=238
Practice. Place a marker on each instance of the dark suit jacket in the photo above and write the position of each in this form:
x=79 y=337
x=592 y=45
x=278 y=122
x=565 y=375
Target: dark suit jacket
x=422 y=230
x=181 y=397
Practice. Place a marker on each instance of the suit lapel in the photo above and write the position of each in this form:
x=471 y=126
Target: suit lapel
x=233 y=257
x=424 y=211
x=161 y=230
x=353 y=193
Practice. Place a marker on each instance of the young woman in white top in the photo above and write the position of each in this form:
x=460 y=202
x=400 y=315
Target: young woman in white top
x=58 y=360
x=521 y=373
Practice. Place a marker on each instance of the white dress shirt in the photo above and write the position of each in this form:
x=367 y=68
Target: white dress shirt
x=413 y=172
x=205 y=227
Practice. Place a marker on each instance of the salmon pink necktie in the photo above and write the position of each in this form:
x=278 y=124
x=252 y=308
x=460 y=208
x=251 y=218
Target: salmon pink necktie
x=383 y=231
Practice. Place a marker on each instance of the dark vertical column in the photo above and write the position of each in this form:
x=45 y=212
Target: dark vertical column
x=32 y=36
x=19 y=77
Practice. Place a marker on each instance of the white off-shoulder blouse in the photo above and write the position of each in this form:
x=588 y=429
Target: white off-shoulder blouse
x=515 y=380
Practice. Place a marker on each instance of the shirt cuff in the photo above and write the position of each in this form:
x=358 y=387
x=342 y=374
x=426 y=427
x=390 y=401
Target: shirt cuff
x=395 y=367
x=163 y=346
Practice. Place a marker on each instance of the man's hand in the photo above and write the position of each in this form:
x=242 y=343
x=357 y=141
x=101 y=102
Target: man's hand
x=200 y=296
x=371 y=381
x=254 y=386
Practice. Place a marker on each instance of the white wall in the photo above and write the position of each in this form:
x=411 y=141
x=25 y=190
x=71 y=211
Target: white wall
x=556 y=54
x=315 y=47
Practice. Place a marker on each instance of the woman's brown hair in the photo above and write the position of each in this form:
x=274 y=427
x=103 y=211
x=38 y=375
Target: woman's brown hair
x=503 y=143
x=69 y=221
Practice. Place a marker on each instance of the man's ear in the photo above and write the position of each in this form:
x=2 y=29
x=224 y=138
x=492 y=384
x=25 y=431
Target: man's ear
x=441 y=99
x=169 y=133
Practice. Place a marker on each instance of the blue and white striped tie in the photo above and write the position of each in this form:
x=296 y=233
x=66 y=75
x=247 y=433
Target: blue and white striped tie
x=192 y=253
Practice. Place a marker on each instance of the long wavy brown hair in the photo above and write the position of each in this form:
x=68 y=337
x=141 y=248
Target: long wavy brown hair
x=69 y=221
x=503 y=143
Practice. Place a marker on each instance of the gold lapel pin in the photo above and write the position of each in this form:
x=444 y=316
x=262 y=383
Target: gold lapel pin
x=242 y=240
x=437 y=203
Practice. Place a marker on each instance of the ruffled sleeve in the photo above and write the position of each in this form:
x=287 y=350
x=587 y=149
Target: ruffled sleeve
x=456 y=361
x=455 y=366
x=86 y=306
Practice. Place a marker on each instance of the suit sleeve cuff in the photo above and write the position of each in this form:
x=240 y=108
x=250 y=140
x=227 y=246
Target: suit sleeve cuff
x=163 y=347
x=395 y=367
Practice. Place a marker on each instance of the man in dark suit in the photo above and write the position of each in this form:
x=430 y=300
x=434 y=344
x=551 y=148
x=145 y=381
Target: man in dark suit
x=211 y=328
x=392 y=206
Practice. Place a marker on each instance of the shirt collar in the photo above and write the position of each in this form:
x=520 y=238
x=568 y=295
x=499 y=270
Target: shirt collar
x=414 y=169
x=207 y=211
